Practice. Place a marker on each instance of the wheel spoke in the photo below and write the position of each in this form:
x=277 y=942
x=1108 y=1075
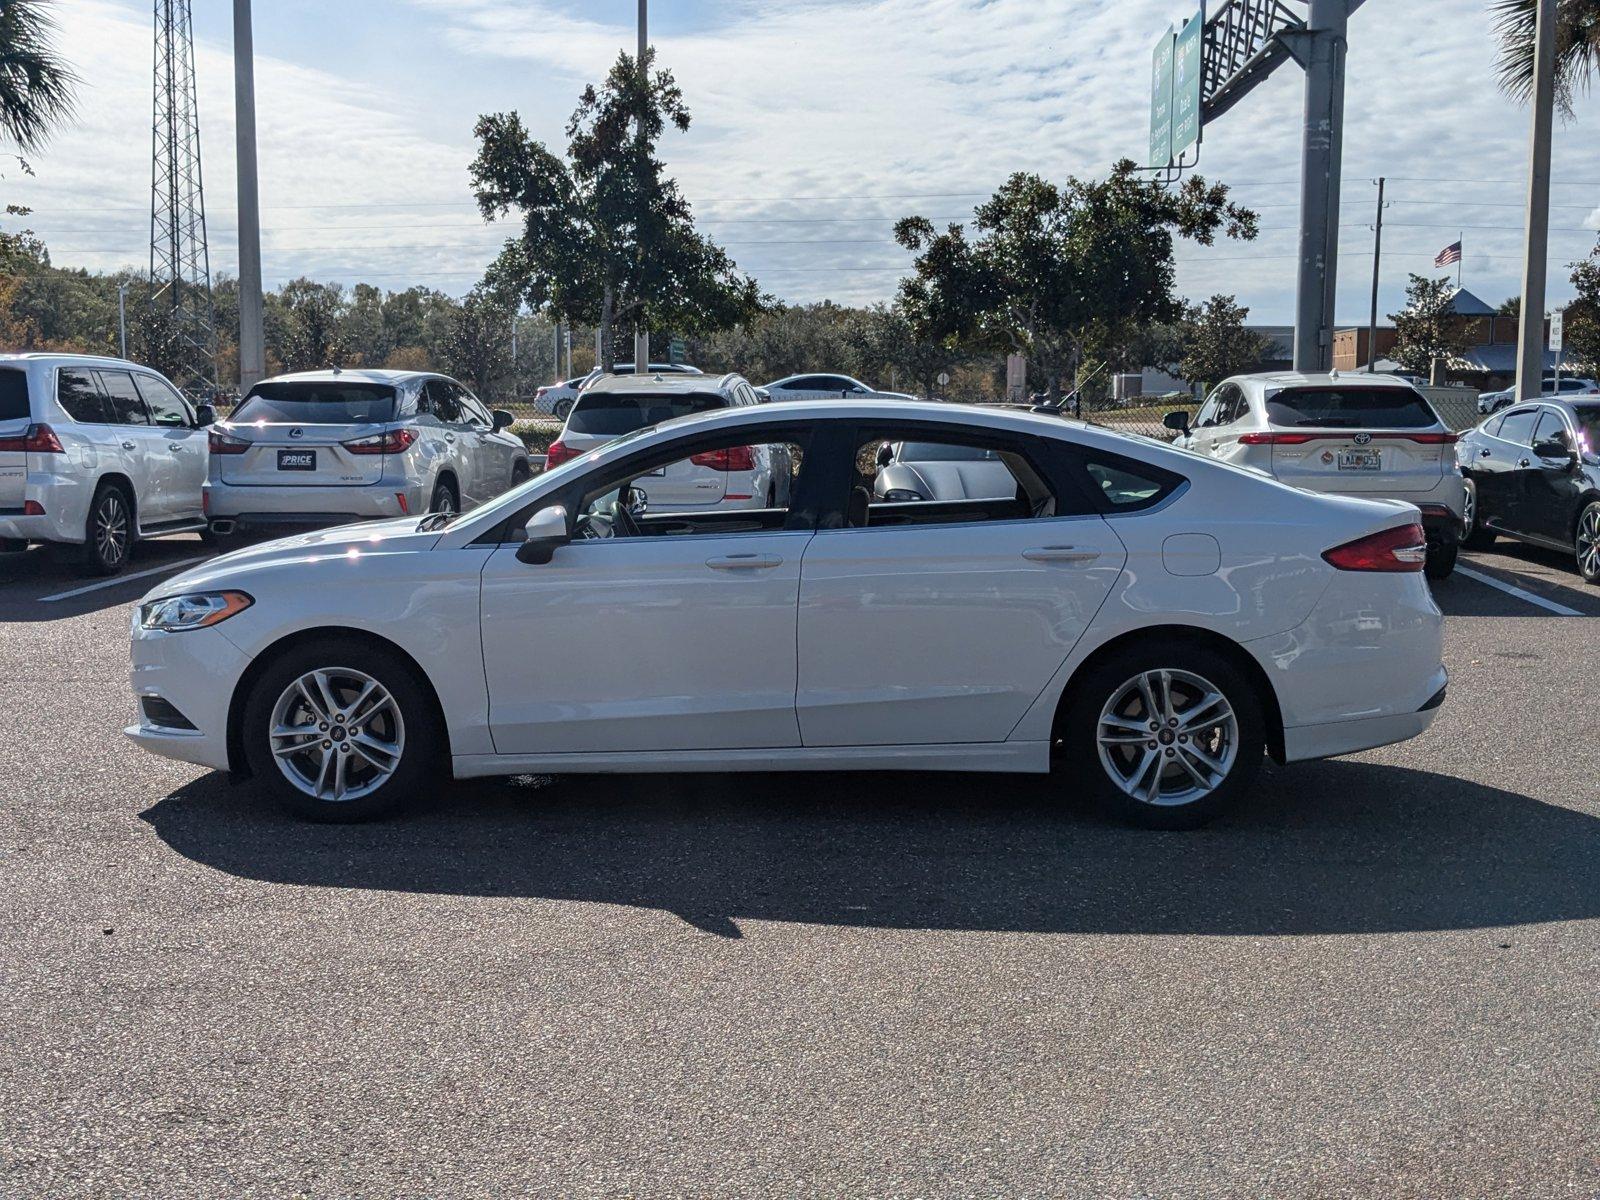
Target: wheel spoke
x=1152 y=709
x=1115 y=721
x=1167 y=710
x=340 y=758
x=322 y=771
x=1183 y=759
x=1190 y=718
x=311 y=702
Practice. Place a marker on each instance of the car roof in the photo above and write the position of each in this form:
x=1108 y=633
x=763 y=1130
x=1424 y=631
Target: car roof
x=671 y=383
x=358 y=374
x=1287 y=379
x=104 y=360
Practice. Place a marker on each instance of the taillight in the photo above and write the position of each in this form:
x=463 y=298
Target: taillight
x=559 y=452
x=35 y=439
x=1425 y=439
x=222 y=443
x=1403 y=548
x=733 y=458
x=32 y=508
x=396 y=441
x=540 y=394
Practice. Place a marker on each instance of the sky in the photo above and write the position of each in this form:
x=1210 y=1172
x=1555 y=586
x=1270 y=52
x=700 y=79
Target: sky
x=816 y=124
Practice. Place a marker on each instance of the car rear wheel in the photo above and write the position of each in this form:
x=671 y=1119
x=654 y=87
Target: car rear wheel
x=340 y=734
x=1168 y=735
x=108 y=531
x=1441 y=560
x=1476 y=536
x=562 y=408
x=1588 y=543
x=444 y=498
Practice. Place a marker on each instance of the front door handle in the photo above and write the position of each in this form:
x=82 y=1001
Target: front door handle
x=744 y=562
x=175 y=447
x=1066 y=554
x=449 y=437
x=1483 y=453
x=1522 y=462
x=127 y=445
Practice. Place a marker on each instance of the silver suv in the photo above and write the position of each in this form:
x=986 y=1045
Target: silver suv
x=331 y=447
x=96 y=453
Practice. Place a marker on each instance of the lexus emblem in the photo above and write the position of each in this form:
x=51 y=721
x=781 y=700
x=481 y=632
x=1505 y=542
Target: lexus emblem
x=1361 y=439
x=297 y=432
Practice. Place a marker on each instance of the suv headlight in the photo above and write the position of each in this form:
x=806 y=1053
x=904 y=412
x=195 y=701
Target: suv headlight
x=196 y=610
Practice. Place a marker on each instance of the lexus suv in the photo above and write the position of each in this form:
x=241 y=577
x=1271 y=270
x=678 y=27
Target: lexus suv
x=95 y=454
x=1358 y=435
x=331 y=447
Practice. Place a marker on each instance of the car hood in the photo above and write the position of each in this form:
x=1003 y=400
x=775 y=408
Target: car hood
x=399 y=536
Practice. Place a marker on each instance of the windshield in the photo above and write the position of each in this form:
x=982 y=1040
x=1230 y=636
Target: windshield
x=939 y=452
x=1350 y=408
x=320 y=402
x=609 y=414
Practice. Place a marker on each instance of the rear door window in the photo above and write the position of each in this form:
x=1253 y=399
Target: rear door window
x=1518 y=426
x=79 y=395
x=319 y=402
x=13 y=395
x=127 y=406
x=1551 y=428
x=166 y=406
x=610 y=414
x=1350 y=408
x=442 y=401
x=1124 y=485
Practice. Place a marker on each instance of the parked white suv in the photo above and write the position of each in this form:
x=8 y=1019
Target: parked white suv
x=331 y=447
x=96 y=453
x=735 y=477
x=1363 y=435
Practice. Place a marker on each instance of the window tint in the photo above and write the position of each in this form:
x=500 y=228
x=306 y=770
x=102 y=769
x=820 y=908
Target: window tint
x=1518 y=426
x=1127 y=486
x=79 y=394
x=1551 y=428
x=442 y=402
x=471 y=411
x=319 y=402
x=126 y=406
x=608 y=414
x=951 y=480
x=13 y=395
x=1350 y=408
x=940 y=452
x=166 y=406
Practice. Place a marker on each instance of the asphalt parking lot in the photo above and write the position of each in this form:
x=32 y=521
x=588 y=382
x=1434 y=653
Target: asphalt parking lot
x=1378 y=978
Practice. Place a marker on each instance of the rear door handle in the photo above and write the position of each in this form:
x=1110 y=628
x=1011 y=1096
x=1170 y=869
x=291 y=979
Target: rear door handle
x=127 y=445
x=744 y=562
x=1522 y=462
x=449 y=437
x=1067 y=554
x=1484 y=453
x=175 y=447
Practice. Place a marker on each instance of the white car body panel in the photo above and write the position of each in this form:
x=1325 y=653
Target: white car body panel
x=637 y=655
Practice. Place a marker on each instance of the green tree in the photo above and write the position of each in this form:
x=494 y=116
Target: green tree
x=1581 y=323
x=1060 y=274
x=479 y=350
x=896 y=345
x=605 y=231
x=1215 y=343
x=304 y=323
x=36 y=85
x=1429 y=328
x=1577 y=46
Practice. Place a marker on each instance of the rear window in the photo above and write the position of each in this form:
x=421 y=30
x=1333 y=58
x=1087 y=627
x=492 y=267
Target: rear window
x=13 y=395
x=1350 y=408
x=609 y=414
x=318 y=403
x=940 y=452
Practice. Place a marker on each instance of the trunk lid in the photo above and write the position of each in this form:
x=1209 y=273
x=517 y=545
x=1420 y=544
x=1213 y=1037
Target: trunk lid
x=1378 y=462
x=299 y=455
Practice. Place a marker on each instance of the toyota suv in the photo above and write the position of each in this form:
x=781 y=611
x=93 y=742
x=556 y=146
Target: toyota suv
x=1365 y=435
x=332 y=447
x=95 y=454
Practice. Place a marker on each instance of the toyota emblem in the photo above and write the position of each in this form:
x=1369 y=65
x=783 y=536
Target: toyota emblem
x=297 y=432
x=1361 y=439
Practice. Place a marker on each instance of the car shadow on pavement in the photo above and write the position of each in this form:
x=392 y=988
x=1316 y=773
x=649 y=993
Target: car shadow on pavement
x=43 y=584
x=1321 y=848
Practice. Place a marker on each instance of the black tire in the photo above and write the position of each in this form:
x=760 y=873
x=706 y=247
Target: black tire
x=1441 y=560
x=562 y=408
x=445 y=498
x=13 y=545
x=1587 y=540
x=1476 y=536
x=520 y=473
x=107 y=531
x=421 y=742
x=1177 y=808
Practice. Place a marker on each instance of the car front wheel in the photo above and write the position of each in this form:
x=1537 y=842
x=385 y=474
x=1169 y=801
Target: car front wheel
x=337 y=733
x=1168 y=735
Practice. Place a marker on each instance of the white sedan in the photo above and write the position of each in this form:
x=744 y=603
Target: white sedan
x=1147 y=622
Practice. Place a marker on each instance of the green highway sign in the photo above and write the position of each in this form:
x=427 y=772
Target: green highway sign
x=1187 y=54
x=676 y=350
x=1161 y=101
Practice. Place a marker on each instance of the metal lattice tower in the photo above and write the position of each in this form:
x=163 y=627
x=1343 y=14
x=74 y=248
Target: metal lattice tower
x=180 y=262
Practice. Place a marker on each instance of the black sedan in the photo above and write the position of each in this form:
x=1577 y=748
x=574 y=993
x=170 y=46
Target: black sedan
x=1533 y=474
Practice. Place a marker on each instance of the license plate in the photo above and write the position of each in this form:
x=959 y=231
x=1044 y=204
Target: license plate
x=297 y=460
x=1360 y=460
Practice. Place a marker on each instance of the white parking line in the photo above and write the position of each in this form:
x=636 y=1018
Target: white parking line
x=119 y=579
x=1560 y=610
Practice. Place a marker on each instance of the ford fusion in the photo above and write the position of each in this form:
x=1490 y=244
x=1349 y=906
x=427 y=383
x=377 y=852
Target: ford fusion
x=1144 y=623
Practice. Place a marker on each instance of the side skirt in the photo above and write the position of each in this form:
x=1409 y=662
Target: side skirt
x=1013 y=757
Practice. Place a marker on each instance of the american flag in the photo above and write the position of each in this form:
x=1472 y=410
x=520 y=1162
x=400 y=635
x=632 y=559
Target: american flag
x=1449 y=255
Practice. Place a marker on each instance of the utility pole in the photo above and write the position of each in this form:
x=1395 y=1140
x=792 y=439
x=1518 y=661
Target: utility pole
x=641 y=335
x=252 y=334
x=1377 y=258
x=1536 y=249
x=1321 y=50
x=122 y=317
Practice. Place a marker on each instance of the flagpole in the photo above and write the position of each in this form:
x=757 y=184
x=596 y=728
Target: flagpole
x=1461 y=255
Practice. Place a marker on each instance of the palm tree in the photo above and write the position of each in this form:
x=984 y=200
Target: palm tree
x=36 y=85
x=1577 y=46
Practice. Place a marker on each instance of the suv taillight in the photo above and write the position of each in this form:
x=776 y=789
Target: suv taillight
x=559 y=452
x=1403 y=548
x=396 y=441
x=733 y=458
x=36 y=439
x=222 y=443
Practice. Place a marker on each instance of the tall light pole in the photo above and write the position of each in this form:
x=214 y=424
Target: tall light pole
x=1530 y=323
x=641 y=335
x=1377 y=259
x=1322 y=54
x=252 y=336
x=122 y=317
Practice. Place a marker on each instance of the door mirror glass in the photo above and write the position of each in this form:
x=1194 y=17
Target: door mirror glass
x=205 y=414
x=1178 y=421
x=502 y=419
x=545 y=531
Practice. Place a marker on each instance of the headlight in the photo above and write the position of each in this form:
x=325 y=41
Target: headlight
x=193 y=611
x=902 y=495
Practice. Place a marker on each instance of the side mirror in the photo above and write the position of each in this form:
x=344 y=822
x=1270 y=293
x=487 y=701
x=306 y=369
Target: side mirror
x=544 y=532
x=885 y=454
x=502 y=419
x=763 y=395
x=205 y=414
x=1178 y=421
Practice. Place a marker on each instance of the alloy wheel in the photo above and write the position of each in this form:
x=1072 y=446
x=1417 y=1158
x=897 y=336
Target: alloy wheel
x=1167 y=737
x=1469 y=510
x=443 y=501
x=1589 y=542
x=336 y=734
x=111 y=528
